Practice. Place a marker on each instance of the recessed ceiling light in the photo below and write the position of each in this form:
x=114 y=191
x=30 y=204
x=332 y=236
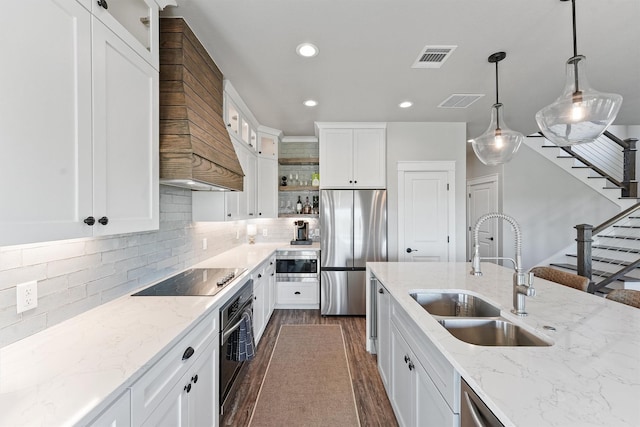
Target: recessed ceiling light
x=310 y=103
x=307 y=50
x=405 y=104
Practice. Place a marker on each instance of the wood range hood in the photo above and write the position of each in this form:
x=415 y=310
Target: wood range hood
x=195 y=148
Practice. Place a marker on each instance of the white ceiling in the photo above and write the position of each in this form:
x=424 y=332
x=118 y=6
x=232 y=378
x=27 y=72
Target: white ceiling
x=367 y=48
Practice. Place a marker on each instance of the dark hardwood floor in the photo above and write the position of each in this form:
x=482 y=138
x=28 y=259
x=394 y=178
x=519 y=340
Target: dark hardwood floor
x=374 y=408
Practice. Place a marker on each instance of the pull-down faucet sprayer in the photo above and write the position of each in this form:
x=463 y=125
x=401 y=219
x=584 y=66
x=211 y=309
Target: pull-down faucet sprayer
x=522 y=282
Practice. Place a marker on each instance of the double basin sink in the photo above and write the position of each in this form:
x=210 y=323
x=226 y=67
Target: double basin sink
x=471 y=319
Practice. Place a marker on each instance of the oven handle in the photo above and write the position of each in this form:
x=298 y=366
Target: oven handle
x=295 y=257
x=232 y=329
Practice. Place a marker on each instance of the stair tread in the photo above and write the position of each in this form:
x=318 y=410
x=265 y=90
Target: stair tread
x=617 y=249
x=598 y=273
x=627 y=226
x=622 y=237
x=612 y=261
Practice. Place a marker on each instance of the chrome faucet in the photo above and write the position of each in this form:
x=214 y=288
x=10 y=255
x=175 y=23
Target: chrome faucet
x=522 y=282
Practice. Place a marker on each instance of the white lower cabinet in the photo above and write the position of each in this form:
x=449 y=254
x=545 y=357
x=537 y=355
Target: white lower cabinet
x=423 y=387
x=180 y=389
x=191 y=401
x=263 y=296
x=260 y=304
x=118 y=414
x=302 y=295
x=384 y=334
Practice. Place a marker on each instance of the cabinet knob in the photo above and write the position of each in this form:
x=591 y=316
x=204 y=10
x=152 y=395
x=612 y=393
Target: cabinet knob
x=104 y=220
x=188 y=353
x=229 y=215
x=89 y=220
x=103 y=4
x=411 y=365
x=355 y=182
x=187 y=388
x=259 y=152
x=194 y=378
x=251 y=214
x=259 y=276
x=350 y=182
x=259 y=213
x=380 y=291
x=406 y=358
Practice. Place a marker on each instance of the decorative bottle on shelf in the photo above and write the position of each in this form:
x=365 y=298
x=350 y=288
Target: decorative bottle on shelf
x=299 y=206
x=306 y=209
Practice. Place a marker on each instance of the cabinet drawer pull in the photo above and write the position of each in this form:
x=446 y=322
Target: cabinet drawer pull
x=411 y=365
x=406 y=358
x=104 y=220
x=187 y=388
x=194 y=378
x=297 y=292
x=188 y=353
x=89 y=220
x=103 y=4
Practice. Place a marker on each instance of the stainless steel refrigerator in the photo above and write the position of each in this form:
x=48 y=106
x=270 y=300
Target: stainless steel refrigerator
x=354 y=232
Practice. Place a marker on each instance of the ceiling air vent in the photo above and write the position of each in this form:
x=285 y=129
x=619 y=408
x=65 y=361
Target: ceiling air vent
x=460 y=100
x=433 y=56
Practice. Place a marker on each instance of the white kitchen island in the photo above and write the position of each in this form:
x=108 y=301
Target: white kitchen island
x=590 y=376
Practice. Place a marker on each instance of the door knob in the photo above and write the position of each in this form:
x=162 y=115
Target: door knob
x=409 y=250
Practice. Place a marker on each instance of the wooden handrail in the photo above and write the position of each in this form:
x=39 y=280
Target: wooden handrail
x=616 y=218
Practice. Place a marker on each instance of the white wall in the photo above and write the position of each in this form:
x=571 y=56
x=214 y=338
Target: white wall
x=547 y=202
x=426 y=141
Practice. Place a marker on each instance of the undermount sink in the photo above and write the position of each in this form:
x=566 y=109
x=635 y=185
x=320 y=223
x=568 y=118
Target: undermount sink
x=473 y=320
x=491 y=332
x=456 y=304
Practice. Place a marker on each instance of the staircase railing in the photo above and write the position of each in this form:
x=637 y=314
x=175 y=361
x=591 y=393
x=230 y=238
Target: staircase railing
x=585 y=233
x=606 y=158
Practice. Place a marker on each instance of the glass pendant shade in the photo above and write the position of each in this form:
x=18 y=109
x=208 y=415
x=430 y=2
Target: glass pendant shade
x=499 y=143
x=581 y=114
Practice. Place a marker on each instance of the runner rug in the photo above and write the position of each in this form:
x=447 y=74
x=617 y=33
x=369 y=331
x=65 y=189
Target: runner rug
x=308 y=382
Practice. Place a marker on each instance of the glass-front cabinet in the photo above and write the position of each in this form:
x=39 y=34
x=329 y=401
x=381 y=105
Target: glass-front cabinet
x=133 y=21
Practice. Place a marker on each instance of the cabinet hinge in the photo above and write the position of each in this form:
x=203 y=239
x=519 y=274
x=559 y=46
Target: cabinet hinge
x=447 y=186
x=469 y=195
x=447 y=239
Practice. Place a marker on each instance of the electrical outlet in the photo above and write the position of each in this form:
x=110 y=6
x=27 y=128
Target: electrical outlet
x=265 y=232
x=204 y=244
x=237 y=234
x=26 y=296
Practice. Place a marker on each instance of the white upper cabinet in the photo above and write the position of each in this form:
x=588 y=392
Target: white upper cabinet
x=352 y=155
x=79 y=143
x=45 y=121
x=268 y=142
x=125 y=136
x=135 y=22
x=267 y=196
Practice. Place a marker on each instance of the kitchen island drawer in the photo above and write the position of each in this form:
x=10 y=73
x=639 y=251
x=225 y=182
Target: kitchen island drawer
x=297 y=294
x=153 y=386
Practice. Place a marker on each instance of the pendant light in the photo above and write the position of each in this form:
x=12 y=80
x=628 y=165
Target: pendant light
x=581 y=114
x=499 y=143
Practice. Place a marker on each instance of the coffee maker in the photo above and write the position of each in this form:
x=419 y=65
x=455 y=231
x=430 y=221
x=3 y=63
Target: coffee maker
x=301 y=233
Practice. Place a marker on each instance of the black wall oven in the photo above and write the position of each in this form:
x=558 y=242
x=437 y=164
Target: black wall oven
x=294 y=266
x=230 y=319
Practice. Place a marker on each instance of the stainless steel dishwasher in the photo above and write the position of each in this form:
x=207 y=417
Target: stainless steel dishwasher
x=473 y=411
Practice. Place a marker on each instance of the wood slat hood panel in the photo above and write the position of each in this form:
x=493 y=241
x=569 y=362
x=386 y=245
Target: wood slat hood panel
x=194 y=141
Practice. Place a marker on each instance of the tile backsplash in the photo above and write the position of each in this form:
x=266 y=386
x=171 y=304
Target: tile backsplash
x=77 y=275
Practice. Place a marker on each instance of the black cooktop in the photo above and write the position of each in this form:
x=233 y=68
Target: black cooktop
x=194 y=282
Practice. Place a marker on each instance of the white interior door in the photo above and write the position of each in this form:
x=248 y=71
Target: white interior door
x=483 y=198
x=424 y=216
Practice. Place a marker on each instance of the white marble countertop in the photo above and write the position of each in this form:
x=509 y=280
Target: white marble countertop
x=590 y=376
x=69 y=372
